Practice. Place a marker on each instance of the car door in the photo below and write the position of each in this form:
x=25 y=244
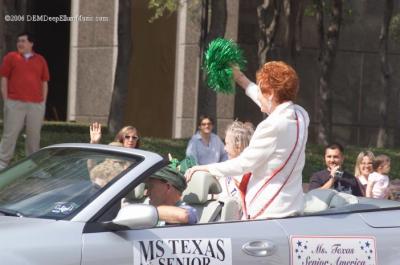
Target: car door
x=240 y=242
x=369 y=237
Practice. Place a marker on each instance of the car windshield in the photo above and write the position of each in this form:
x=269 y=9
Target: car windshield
x=56 y=182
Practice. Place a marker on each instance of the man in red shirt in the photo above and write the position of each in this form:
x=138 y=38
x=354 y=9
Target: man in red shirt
x=24 y=77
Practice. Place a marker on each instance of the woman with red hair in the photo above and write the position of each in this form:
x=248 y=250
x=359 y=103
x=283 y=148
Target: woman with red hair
x=272 y=164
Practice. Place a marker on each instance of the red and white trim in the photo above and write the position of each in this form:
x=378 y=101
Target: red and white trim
x=280 y=176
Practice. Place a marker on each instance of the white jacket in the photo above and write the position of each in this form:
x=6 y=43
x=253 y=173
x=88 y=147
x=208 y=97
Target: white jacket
x=275 y=157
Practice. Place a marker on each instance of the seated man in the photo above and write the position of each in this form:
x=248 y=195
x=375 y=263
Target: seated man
x=334 y=177
x=164 y=189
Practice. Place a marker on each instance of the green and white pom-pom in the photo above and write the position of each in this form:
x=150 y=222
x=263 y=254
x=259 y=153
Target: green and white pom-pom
x=219 y=58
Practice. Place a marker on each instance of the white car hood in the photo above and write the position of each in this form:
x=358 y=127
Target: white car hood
x=11 y=221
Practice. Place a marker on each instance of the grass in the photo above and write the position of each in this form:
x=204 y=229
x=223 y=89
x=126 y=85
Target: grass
x=56 y=132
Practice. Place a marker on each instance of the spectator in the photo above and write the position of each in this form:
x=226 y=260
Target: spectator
x=164 y=189
x=237 y=138
x=363 y=168
x=24 y=76
x=128 y=136
x=333 y=177
x=205 y=146
x=378 y=181
x=276 y=153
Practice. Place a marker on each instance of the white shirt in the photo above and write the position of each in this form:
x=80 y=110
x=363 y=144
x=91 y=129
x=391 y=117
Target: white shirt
x=380 y=188
x=275 y=157
x=363 y=180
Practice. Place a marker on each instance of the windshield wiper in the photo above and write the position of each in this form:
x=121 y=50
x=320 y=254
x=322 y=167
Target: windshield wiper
x=10 y=212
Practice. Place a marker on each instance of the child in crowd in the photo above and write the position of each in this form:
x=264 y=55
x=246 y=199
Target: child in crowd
x=378 y=181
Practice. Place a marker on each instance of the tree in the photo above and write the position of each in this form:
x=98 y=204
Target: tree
x=385 y=74
x=293 y=12
x=268 y=15
x=207 y=99
x=12 y=28
x=328 y=46
x=160 y=7
x=121 y=83
x=272 y=13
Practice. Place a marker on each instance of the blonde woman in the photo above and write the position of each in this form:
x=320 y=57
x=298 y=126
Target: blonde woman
x=237 y=138
x=128 y=136
x=363 y=168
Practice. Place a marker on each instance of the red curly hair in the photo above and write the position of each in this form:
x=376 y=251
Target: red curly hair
x=279 y=77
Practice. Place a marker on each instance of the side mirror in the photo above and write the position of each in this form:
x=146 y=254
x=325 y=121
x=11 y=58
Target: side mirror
x=136 y=216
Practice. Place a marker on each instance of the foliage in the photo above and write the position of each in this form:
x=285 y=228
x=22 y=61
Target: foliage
x=349 y=14
x=219 y=58
x=162 y=6
x=54 y=133
x=394 y=28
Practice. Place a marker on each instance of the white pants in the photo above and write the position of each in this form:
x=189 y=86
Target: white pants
x=16 y=115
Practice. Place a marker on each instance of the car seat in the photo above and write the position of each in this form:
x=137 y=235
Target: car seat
x=341 y=199
x=318 y=200
x=200 y=195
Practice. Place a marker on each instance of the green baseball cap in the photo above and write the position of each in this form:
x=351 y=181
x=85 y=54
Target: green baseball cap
x=172 y=176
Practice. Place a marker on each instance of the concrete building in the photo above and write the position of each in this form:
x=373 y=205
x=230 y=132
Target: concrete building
x=162 y=100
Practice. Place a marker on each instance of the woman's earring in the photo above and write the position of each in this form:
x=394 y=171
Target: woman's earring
x=269 y=105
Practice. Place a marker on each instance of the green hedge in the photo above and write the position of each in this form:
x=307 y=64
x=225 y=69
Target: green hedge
x=61 y=132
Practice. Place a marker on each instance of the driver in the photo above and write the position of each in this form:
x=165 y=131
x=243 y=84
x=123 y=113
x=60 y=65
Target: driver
x=164 y=189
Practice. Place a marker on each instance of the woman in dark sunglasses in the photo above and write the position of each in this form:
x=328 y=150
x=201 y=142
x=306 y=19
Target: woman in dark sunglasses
x=128 y=136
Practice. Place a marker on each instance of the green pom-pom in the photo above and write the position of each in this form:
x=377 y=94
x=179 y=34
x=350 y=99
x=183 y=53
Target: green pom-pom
x=219 y=58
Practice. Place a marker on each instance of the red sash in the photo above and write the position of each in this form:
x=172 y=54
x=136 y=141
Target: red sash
x=246 y=178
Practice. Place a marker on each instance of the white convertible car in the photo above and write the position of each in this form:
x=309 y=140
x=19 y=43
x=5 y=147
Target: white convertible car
x=55 y=209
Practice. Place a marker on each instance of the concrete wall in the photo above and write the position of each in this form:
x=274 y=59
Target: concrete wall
x=93 y=53
x=356 y=77
x=163 y=96
x=187 y=70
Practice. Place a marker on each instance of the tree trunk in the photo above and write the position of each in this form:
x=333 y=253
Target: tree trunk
x=385 y=75
x=121 y=82
x=319 y=16
x=207 y=99
x=293 y=11
x=324 y=133
x=297 y=26
x=12 y=28
x=268 y=15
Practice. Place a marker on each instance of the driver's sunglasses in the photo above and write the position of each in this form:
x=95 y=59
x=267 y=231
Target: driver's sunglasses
x=133 y=137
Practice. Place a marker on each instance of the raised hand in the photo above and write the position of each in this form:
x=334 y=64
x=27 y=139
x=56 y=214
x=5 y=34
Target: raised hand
x=239 y=77
x=95 y=133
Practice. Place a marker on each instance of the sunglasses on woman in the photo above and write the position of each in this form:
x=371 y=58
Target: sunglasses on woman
x=133 y=137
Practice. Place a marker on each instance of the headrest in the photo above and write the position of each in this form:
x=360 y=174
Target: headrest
x=201 y=184
x=137 y=193
x=318 y=200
